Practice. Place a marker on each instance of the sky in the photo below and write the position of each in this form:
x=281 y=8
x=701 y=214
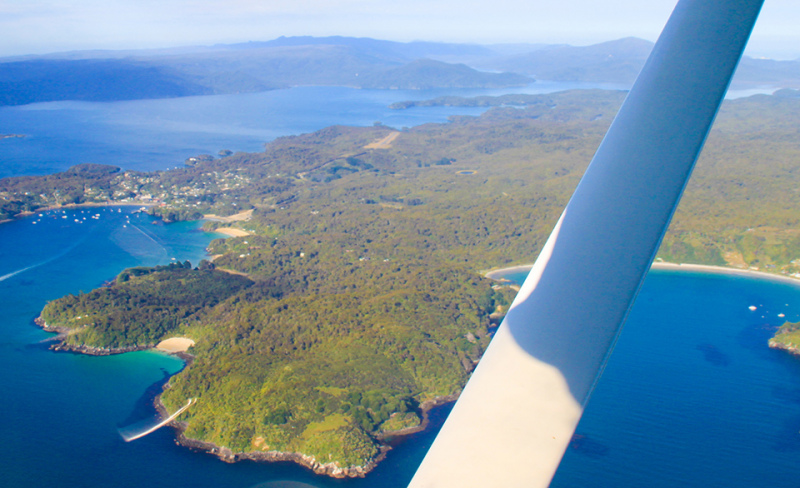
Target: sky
x=44 y=26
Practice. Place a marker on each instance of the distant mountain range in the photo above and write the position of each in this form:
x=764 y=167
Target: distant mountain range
x=346 y=61
x=620 y=61
x=610 y=62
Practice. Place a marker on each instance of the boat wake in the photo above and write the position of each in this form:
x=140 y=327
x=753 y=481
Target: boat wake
x=15 y=273
x=139 y=242
x=131 y=433
x=148 y=236
x=42 y=263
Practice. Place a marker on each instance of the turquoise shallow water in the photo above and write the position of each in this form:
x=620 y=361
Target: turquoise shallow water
x=61 y=412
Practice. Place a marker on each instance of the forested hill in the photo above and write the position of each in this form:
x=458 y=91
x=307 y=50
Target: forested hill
x=364 y=251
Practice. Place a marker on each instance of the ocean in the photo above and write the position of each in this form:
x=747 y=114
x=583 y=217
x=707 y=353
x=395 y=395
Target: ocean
x=691 y=397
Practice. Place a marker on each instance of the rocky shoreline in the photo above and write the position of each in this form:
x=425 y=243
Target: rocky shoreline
x=329 y=469
x=96 y=351
x=309 y=462
x=61 y=346
x=426 y=407
x=229 y=456
x=773 y=344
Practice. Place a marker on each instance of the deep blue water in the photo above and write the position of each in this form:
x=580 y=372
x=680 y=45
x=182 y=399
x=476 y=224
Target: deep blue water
x=692 y=396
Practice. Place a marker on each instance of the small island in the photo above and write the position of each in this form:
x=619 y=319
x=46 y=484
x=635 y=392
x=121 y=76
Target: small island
x=11 y=136
x=787 y=338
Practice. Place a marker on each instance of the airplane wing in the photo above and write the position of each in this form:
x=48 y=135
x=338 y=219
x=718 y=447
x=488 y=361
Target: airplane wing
x=518 y=412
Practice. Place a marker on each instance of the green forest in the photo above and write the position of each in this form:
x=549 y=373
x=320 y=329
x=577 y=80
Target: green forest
x=141 y=306
x=307 y=364
x=357 y=296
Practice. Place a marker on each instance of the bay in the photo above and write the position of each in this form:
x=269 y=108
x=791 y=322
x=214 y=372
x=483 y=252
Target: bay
x=148 y=135
x=692 y=395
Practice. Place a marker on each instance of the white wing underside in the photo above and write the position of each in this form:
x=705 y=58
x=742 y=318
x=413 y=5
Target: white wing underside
x=518 y=412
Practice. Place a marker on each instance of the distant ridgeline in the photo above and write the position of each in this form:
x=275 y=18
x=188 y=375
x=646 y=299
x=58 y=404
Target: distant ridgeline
x=244 y=68
x=362 y=300
x=340 y=61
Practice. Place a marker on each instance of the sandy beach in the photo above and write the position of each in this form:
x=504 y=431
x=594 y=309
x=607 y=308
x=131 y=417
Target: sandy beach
x=497 y=274
x=175 y=344
x=724 y=270
x=232 y=231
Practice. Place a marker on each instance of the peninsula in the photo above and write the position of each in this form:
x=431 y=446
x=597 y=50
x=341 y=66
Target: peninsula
x=351 y=300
